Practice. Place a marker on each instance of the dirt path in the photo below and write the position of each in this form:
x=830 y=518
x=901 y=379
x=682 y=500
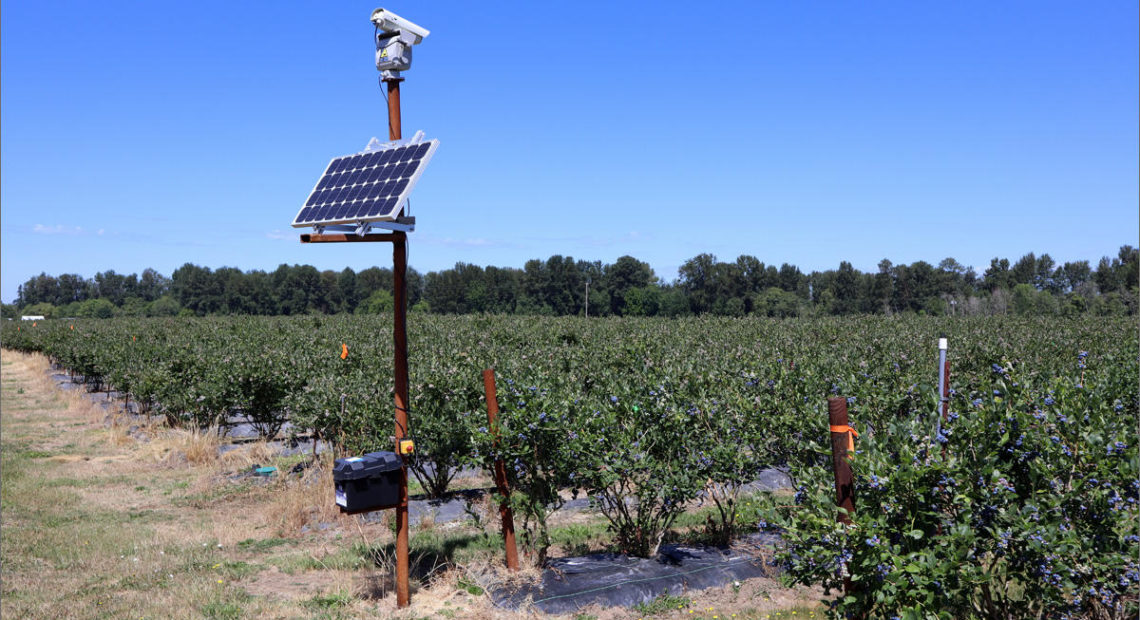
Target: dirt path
x=97 y=523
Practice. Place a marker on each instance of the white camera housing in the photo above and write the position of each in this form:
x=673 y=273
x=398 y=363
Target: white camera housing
x=395 y=37
x=390 y=22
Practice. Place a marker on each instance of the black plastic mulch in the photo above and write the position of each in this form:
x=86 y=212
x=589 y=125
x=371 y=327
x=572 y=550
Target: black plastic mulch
x=606 y=579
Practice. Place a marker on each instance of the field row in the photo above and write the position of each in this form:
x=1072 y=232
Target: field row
x=1031 y=484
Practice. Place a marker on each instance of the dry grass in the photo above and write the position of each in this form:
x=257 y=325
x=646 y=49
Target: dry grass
x=246 y=456
x=97 y=523
x=305 y=501
x=183 y=447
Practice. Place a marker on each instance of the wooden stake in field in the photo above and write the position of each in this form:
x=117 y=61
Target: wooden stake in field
x=842 y=449
x=501 y=474
x=842 y=446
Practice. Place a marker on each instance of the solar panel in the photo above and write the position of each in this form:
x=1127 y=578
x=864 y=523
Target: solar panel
x=366 y=187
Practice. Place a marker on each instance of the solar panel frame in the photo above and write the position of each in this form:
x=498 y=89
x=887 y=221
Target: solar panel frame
x=371 y=186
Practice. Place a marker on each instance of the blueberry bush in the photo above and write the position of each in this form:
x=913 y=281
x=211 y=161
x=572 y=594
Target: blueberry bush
x=1023 y=504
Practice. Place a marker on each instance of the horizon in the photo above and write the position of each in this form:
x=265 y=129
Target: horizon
x=660 y=279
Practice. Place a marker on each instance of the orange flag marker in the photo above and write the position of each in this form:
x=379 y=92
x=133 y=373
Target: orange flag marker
x=343 y=351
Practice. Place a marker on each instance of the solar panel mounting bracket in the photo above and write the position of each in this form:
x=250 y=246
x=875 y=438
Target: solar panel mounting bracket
x=400 y=224
x=376 y=145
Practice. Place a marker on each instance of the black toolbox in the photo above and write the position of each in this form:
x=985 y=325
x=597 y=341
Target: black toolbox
x=369 y=482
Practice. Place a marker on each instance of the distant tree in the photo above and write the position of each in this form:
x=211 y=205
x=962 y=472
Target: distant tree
x=1024 y=302
x=1070 y=276
x=329 y=299
x=73 y=288
x=1023 y=270
x=793 y=280
x=377 y=303
x=196 y=289
x=371 y=280
x=879 y=297
x=757 y=276
x=846 y=289
x=43 y=309
x=1105 y=276
x=623 y=275
x=673 y=302
x=1043 y=274
x=729 y=306
x=952 y=276
x=642 y=301
x=111 y=286
x=926 y=283
x=502 y=289
x=696 y=277
x=346 y=283
x=96 y=309
x=415 y=286
x=298 y=289
x=935 y=306
x=997 y=276
x=133 y=306
x=41 y=288
x=152 y=285
x=776 y=302
x=166 y=305
x=446 y=291
x=1129 y=267
x=235 y=292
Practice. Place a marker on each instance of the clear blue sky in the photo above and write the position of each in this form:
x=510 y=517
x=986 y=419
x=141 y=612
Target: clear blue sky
x=148 y=134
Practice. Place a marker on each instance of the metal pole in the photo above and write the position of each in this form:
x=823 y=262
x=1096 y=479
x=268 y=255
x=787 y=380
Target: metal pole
x=400 y=372
x=501 y=475
x=943 y=380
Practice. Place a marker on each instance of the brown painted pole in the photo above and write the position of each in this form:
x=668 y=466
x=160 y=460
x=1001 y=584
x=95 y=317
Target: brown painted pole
x=842 y=446
x=841 y=442
x=501 y=475
x=394 y=107
x=400 y=337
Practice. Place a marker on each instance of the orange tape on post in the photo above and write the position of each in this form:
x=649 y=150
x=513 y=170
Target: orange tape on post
x=850 y=438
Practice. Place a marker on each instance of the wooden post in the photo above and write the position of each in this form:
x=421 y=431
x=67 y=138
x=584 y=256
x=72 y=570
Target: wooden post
x=841 y=446
x=501 y=475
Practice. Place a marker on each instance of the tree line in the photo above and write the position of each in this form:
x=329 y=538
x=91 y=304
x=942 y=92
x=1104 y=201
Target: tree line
x=561 y=285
